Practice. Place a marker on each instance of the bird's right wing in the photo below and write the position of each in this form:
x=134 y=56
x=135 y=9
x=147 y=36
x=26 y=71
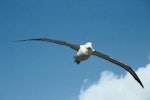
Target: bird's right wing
x=125 y=66
x=73 y=46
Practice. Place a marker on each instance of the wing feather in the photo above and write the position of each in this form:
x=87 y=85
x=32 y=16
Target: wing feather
x=73 y=46
x=125 y=66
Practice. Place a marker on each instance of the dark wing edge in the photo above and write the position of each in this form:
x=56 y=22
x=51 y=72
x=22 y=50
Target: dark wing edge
x=125 y=66
x=73 y=46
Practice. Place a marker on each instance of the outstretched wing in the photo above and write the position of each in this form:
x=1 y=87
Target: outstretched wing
x=125 y=66
x=73 y=46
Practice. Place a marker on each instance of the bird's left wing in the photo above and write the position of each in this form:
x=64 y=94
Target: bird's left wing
x=125 y=66
x=73 y=46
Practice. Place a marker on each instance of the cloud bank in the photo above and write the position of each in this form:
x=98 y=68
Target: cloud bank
x=113 y=87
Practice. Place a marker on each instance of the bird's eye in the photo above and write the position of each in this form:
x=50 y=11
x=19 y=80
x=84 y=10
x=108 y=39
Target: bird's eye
x=89 y=48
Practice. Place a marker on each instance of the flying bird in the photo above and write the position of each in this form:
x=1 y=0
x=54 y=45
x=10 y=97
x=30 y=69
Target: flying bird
x=85 y=51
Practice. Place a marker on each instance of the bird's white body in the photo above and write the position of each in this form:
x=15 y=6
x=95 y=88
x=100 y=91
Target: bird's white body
x=84 y=52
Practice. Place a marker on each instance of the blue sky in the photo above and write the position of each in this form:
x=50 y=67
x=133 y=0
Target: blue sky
x=45 y=71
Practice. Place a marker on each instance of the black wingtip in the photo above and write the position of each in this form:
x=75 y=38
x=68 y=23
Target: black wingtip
x=29 y=40
x=20 y=40
x=23 y=40
x=141 y=84
x=136 y=77
x=36 y=39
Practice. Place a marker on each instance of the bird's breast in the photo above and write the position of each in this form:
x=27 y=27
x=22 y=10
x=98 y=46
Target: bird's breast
x=83 y=54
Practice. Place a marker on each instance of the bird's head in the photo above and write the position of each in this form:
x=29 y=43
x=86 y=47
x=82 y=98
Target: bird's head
x=88 y=45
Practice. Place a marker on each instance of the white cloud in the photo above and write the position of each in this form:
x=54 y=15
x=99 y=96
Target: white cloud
x=113 y=87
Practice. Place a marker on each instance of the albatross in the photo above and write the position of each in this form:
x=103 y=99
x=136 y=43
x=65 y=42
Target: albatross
x=85 y=51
